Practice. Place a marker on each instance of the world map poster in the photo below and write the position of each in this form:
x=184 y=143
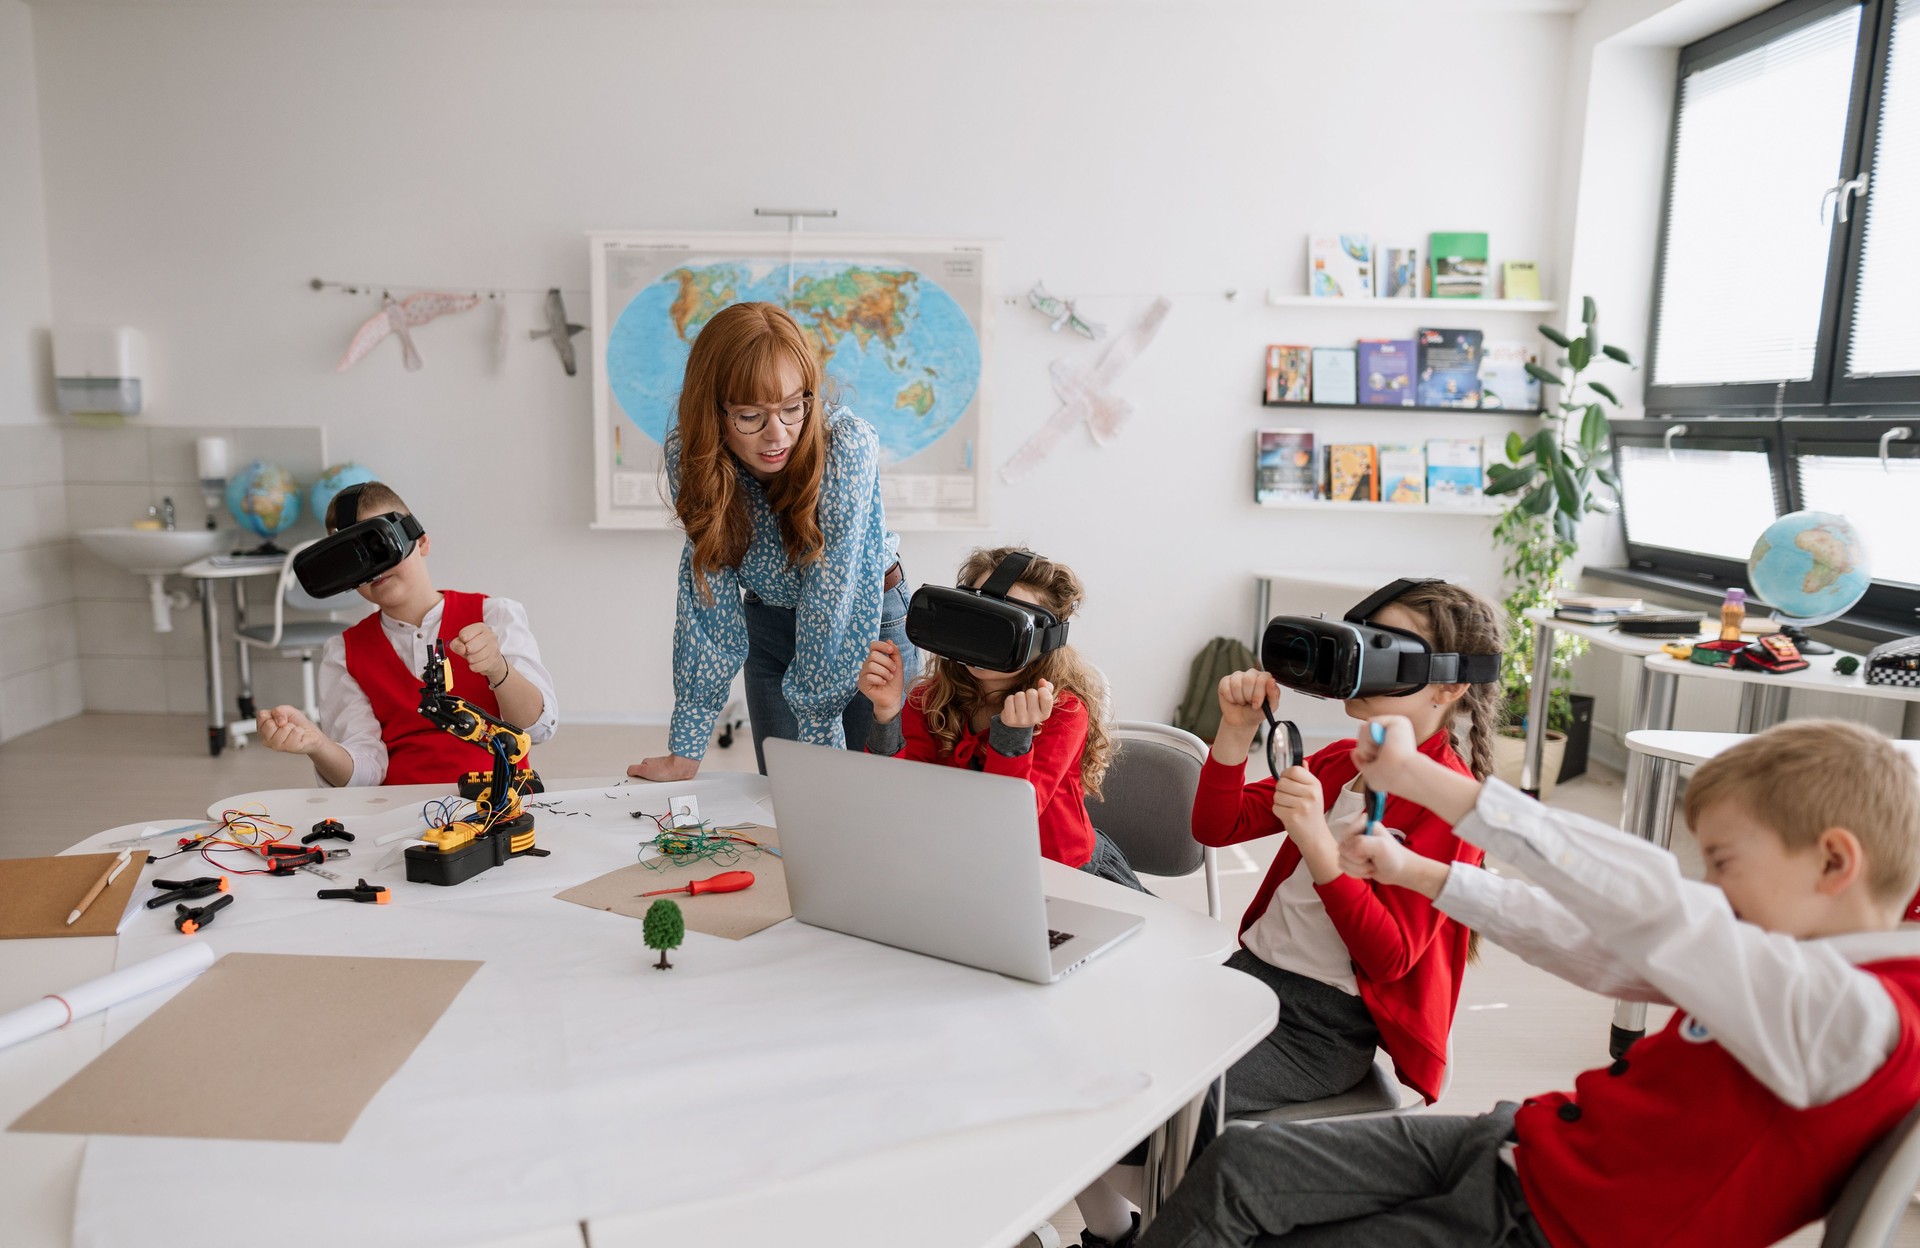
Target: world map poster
x=901 y=325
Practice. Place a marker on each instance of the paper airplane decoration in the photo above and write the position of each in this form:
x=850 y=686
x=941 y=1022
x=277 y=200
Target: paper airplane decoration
x=396 y=317
x=559 y=330
x=1062 y=312
x=1085 y=397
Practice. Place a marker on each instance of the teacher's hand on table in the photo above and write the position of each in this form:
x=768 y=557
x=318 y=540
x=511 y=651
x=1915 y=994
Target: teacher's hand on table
x=665 y=767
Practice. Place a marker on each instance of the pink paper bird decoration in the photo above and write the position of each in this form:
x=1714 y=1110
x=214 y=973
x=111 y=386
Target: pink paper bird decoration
x=395 y=317
x=1086 y=395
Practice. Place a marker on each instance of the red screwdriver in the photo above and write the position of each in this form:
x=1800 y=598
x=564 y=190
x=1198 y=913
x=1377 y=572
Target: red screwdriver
x=725 y=882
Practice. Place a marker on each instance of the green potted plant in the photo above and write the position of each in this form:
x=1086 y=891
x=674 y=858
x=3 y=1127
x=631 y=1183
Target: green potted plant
x=1554 y=479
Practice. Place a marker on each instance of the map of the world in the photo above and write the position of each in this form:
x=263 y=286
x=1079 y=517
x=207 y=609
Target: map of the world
x=897 y=324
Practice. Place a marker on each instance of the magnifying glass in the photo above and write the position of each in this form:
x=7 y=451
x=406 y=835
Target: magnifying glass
x=1282 y=754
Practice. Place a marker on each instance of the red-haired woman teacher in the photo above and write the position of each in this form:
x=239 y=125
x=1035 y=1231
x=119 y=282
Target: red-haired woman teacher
x=788 y=567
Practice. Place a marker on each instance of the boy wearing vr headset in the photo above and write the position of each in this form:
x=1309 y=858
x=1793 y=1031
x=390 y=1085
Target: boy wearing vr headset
x=1004 y=694
x=1795 y=1046
x=370 y=676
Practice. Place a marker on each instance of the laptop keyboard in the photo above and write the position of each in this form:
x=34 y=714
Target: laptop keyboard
x=1056 y=939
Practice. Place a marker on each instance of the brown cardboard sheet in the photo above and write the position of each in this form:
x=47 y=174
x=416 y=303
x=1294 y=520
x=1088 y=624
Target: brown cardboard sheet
x=37 y=894
x=730 y=915
x=302 y=1045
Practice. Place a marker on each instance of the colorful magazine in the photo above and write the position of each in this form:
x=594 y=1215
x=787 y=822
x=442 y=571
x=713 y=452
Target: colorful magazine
x=1504 y=379
x=1403 y=472
x=1386 y=371
x=1459 y=265
x=1449 y=368
x=1289 y=375
x=1340 y=266
x=1398 y=272
x=1333 y=381
x=1454 y=474
x=1284 y=465
x=1352 y=473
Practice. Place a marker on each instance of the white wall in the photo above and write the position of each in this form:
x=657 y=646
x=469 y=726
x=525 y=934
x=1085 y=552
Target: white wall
x=39 y=677
x=203 y=163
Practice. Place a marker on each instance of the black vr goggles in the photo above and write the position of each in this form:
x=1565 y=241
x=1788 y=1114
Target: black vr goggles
x=983 y=627
x=357 y=553
x=1350 y=658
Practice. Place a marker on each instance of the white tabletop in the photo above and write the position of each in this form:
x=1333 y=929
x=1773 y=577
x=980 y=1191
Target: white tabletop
x=1698 y=747
x=1606 y=636
x=1154 y=1003
x=1818 y=676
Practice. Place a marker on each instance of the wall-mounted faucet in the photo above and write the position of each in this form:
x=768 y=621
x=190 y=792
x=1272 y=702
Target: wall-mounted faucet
x=166 y=514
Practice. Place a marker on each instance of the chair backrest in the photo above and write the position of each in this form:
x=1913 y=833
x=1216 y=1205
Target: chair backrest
x=1876 y=1197
x=1147 y=808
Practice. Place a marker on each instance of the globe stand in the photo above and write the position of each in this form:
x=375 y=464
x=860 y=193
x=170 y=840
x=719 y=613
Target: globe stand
x=264 y=548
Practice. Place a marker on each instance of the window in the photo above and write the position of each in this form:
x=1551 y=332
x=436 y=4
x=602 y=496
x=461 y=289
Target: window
x=1869 y=472
x=1786 y=272
x=1695 y=495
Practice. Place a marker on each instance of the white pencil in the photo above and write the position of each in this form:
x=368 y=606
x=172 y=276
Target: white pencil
x=100 y=885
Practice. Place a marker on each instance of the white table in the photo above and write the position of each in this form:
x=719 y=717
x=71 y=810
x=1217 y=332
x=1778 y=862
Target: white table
x=1156 y=1003
x=205 y=573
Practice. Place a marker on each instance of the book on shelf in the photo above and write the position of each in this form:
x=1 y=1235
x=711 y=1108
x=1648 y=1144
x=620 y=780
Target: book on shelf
x=1289 y=374
x=1449 y=363
x=1459 y=266
x=1353 y=474
x=1520 y=279
x=1396 y=272
x=1454 y=472
x=1385 y=368
x=1284 y=465
x=1340 y=266
x=1403 y=472
x=1333 y=381
x=1504 y=379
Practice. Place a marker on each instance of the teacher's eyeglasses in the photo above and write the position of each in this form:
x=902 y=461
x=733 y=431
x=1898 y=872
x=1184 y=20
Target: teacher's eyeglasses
x=754 y=419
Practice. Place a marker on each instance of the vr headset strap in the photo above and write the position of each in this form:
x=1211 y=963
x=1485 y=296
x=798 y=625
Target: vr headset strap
x=1450 y=669
x=1007 y=575
x=345 y=503
x=1386 y=594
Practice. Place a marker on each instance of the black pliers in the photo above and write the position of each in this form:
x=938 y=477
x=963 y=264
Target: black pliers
x=328 y=829
x=187 y=890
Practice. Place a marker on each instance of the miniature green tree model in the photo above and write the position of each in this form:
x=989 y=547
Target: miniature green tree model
x=664 y=929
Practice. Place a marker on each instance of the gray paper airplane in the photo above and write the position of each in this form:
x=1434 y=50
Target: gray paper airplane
x=560 y=330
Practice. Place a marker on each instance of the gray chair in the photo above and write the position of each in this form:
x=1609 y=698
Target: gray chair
x=1147 y=803
x=1876 y=1197
x=299 y=639
x=1379 y=1095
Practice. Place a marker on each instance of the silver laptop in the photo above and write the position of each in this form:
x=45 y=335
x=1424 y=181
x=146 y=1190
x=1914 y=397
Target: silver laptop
x=938 y=860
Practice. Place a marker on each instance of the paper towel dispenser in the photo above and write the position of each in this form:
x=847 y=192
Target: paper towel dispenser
x=99 y=371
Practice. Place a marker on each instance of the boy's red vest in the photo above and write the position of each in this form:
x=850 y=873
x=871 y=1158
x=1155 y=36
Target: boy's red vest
x=418 y=752
x=1677 y=1144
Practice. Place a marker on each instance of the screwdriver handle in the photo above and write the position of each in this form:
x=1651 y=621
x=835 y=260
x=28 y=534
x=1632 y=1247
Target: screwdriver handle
x=725 y=882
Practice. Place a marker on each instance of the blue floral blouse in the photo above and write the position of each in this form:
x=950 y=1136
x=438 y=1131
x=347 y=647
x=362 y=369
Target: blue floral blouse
x=836 y=600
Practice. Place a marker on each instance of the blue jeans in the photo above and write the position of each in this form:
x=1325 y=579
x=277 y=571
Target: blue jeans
x=770 y=652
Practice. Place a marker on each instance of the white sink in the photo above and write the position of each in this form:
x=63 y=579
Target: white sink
x=150 y=552
x=154 y=553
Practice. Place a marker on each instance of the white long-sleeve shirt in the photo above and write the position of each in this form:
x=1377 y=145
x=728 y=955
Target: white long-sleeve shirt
x=1612 y=913
x=347 y=716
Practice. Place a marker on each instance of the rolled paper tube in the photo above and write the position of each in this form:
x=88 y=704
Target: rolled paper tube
x=51 y=1013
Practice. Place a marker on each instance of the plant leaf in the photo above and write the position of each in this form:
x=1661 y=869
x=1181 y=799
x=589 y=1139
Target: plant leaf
x=1588 y=313
x=1616 y=353
x=1541 y=374
x=1603 y=392
x=1607 y=478
x=1593 y=430
x=1513 y=479
x=1568 y=490
x=1537 y=501
x=1579 y=355
x=1554 y=336
x=1516 y=447
x=1546 y=448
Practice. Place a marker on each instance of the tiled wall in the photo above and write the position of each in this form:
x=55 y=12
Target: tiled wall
x=39 y=665
x=112 y=476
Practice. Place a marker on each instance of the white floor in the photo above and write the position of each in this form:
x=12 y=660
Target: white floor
x=1519 y=1031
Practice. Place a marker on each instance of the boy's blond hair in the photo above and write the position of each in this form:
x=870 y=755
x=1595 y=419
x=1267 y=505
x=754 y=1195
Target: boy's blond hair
x=1802 y=778
x=376 y=498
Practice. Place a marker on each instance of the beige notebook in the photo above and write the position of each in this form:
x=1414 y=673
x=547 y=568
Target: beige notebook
x=302 y=1045
x=37 y=894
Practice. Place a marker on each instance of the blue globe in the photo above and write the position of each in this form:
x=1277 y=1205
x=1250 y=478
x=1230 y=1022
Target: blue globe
x=1810 y=567
x=264 y=498
x=903 y=348
x=331 y=482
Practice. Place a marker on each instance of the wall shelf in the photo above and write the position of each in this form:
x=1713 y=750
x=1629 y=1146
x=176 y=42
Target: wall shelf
x=1412 y=305
x=1482 y=509
x=1389 y=409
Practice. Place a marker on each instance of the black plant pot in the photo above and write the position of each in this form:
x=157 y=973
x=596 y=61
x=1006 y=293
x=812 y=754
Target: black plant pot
x=1579 y=736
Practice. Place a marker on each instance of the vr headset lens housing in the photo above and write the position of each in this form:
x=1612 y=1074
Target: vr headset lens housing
x=1351 y=658
x=983 y=627
x=356 y=554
